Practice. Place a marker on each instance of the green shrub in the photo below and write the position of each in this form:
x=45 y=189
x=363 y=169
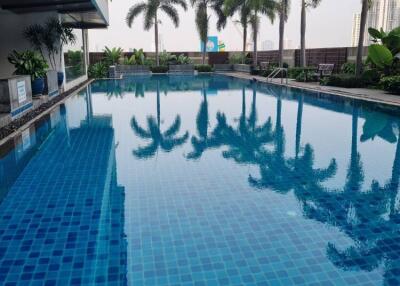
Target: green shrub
x=237 y=59
x=348 y=68
x=391 y=84
x=203 y=68
x=307 y=76
x=267 y=72
x=28 y=63
x=343 y=80
x=98 y=70
x=159 y=69
x=296 y=71
x=371 y=77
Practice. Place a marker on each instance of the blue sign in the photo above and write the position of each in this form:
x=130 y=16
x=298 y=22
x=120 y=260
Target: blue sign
x=212 y=44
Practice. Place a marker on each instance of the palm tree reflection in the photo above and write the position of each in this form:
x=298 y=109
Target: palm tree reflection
x=166 y=141
x=247 y=140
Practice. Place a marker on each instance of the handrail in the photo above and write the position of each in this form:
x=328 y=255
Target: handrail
x=275 y=72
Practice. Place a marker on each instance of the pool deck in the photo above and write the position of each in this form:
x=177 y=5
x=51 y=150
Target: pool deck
x=372 y=95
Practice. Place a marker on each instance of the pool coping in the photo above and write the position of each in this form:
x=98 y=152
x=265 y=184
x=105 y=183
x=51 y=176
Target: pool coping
x=380 y=98
x=40 y=115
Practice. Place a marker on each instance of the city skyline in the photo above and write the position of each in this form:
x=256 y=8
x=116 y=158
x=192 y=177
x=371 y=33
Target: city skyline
x=382 y=14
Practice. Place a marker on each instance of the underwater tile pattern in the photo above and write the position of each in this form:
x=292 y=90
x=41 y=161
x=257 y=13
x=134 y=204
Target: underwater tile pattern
x=203 y=180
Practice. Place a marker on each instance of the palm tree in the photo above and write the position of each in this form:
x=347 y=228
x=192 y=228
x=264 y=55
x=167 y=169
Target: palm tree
x=150 y=10
x=166 y=140
x=366 y=4
x=248 y=11
x=283 y=11
x=202 y=18
x=304 y=5
x=241 y=6
x=266 y=7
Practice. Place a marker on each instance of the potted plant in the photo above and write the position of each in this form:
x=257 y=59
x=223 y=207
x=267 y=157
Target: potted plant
x=30 y=63
x=51 y=37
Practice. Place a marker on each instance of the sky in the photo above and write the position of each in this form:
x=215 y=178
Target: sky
x=329 y=25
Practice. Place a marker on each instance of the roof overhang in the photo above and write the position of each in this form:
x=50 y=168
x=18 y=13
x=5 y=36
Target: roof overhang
x=85 y=14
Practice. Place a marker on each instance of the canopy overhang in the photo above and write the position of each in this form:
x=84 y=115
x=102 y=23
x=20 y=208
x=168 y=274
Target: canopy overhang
x=84 y=14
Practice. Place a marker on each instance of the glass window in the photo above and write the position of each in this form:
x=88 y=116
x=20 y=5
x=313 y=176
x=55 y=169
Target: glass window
x=74 y=58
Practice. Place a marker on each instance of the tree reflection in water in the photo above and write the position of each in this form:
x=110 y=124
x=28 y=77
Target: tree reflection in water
x=369 y=217
x=166 y=141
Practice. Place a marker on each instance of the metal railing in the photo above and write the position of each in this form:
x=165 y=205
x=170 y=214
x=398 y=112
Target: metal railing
x=275 y=72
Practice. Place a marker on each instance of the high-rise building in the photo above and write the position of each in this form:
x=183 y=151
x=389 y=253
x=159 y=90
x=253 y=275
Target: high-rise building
x=267 y=45
x=355 y=33
x=383 y=14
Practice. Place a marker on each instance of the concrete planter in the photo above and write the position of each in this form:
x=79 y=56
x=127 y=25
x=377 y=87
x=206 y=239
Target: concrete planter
x=242 y=68
x=127 y=70
x=16 y=95
x=223 y=67
x=51 y=88
x=181 y=69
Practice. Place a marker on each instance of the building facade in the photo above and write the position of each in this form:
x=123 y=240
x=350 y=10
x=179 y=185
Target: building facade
x=16 y=16
x=383 y=14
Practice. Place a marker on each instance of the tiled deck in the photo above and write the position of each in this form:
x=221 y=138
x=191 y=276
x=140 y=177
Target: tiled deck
x=373 y=95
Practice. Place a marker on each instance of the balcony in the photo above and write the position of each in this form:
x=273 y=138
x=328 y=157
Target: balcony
x=85 y=14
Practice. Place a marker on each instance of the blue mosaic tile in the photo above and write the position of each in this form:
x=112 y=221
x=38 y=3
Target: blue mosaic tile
x=203 y=180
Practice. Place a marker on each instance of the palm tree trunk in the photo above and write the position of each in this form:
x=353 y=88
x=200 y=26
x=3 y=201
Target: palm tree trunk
x=303 y=34
x=299 y=124
x=255 y=30
x=158 y=106
x=281 y=35
x=363 y=22
x=244 y=43
x=394 y=182
x=354 y=132
x=156 y=38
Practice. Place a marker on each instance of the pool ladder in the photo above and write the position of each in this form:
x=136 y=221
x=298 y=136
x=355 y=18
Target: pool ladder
x=275 y=72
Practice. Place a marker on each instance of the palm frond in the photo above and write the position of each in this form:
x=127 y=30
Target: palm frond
x=150 y=15
x=139 y=130
x=181 y=3
x=176 y=125
x=172 y=13
x=201 y=19
x=217 y=6
x=134 y=11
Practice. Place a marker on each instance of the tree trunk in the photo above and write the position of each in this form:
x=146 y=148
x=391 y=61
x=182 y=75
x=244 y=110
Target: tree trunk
x=281 y=35
x=156 y=39
x=255 y=56
x=158 y=105
x=205 y=40
x=244 y=43
x=394 y=182
x=303 y=34
x=299 y=124
x=363 y=22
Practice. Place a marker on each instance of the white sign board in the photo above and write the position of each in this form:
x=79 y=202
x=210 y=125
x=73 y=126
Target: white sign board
x=21 y=91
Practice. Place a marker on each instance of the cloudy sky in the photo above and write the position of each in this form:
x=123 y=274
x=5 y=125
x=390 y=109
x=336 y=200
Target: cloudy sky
x=327 y=26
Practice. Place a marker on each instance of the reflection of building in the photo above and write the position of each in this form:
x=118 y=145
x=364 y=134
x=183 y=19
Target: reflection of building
x=383 y=14
x=70 y=208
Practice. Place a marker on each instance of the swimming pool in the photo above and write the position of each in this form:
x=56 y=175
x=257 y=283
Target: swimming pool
x=205 y=180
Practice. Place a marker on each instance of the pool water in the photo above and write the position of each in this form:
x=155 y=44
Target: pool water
x=205 y=180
